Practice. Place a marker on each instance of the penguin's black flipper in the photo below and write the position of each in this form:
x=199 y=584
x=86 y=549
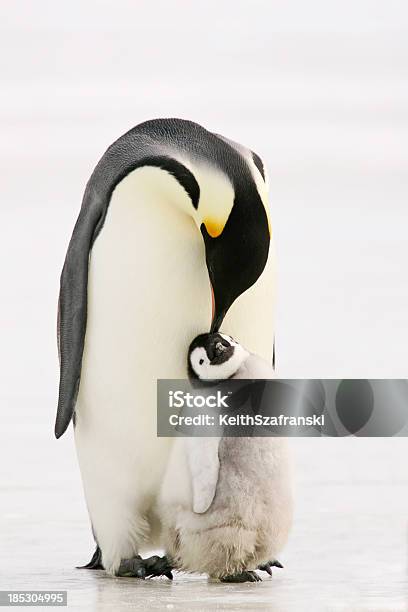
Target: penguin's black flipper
x=245 y=576
x=95 y=563
x=72 y=309
x=267 y=567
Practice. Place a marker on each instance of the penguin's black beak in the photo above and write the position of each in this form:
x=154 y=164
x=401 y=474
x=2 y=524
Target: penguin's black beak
x=237 y=257
x=217 y=348
x=218 y=319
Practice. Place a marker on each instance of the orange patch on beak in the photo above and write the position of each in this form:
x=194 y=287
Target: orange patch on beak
x=212 y=303
x=214 y=228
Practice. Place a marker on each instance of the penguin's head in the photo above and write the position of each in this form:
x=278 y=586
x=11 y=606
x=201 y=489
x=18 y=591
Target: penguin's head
x=214 y=356
x=237 y=255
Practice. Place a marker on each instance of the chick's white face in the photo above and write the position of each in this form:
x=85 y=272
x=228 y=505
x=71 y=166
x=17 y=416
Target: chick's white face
x=225 y=359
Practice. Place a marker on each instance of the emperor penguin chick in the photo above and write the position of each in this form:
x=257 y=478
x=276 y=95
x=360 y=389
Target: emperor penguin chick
x=226 y=503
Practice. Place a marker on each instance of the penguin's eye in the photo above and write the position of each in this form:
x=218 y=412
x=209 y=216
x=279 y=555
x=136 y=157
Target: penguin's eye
x=201 y=361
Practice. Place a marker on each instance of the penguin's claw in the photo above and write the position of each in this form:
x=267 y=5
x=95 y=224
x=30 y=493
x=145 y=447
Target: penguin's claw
x=95 y=563
x=133 y=567
x=267 y=567
x=136 y=567
x=158 y=566
x=245 y=576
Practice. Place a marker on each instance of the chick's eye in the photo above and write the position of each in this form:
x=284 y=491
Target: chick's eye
x=201 y=361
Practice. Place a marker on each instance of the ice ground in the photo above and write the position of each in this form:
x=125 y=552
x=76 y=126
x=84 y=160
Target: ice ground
x=348 y=549
x=319 y=90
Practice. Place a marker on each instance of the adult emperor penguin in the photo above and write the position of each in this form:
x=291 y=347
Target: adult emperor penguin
x=173 y=229
x=226 y=503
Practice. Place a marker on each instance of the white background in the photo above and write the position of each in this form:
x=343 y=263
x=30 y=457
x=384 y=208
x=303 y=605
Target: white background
x=319 y=90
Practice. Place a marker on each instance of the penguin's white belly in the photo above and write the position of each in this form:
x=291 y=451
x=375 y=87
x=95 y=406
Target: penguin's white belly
x=148 y=297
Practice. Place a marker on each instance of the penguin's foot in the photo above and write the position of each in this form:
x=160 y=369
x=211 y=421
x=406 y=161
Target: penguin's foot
x=95 y=563
x=245 y=576
x=136 y=567
x=267 y=567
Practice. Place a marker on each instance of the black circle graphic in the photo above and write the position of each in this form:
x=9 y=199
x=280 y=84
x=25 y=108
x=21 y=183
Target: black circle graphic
x=354 y=404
